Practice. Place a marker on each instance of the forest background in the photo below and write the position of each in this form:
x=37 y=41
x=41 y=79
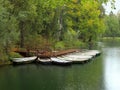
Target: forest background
x=53 y=25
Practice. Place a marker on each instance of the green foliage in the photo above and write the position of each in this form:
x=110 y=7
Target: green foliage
x=85 y=19
x=14 y=55
x=112 y=26
x=60 y=45
x=8 y=29
x=49 y=24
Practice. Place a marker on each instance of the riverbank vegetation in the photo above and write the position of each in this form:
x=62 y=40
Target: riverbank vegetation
x=112 y=23
x=49 y=24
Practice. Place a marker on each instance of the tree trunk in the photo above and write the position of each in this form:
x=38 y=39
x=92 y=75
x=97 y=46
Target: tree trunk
x=21 y=25
x=90 y=43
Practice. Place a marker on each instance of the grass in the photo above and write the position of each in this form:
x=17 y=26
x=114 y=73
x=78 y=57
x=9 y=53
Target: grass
x=107 y=38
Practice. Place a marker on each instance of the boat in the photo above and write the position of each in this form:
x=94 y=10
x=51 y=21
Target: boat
x=92 y=53
x=24 y=60
x=60 y=61
x=79 y=56
x=96 y=51
x=75 y=60
x=44 y=60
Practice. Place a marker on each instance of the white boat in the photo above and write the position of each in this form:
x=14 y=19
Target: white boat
x=24 y=60
x=60 y=61
x=93 y=52
x=64 y=58
x=44 y=61
x=89 y=53
x=75 y=60
x=79 y=56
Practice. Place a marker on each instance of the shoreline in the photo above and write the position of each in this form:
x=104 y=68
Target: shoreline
x=109 y=38
x=5 y=63
x=91 y=53
x=48 y=54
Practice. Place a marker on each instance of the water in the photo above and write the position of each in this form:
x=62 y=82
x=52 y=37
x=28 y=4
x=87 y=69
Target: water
x=111 y=61
x=103 y=73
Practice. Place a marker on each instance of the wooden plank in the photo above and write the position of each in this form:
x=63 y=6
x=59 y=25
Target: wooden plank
x=55 y=54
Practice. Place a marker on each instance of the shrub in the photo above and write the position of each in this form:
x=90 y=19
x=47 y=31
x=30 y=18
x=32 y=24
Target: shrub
x=14 y=55
x=59 y=45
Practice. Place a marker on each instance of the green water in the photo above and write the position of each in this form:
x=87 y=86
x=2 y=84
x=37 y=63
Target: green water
x=102 y=73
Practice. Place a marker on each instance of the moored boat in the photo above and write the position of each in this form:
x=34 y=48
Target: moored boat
x=79 y=56
x=92 y=52
x=60 y=61
x=75 y=59
x=44 y=61
x=23 y=60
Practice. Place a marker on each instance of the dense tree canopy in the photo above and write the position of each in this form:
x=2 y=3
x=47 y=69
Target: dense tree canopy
x=52 y=24
x=112 y=23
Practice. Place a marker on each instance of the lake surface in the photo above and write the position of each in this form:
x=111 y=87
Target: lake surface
x=102 y=73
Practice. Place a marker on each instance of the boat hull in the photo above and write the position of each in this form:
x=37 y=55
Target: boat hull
x=44 y=61
x=60 y=62
x=25 y=60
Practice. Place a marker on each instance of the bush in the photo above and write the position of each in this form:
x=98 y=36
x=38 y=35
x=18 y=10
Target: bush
x=14 y=55
x=78 y=44
x=59 y=45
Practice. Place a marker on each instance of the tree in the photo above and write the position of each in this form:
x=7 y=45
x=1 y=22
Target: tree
x=112 y=26
x=25 y=12
x=90 y=23
x=8 y=28
x=59 y=23
x=84 y=18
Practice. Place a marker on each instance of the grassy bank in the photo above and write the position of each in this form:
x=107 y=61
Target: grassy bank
x=3 y=63
x=110 y=38
x=5 y=59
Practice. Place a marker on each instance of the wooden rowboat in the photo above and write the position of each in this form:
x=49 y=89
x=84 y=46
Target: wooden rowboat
x=60 y=61
x=23 y=60
x=75 y=60
x=79 y=56
x=44 y=61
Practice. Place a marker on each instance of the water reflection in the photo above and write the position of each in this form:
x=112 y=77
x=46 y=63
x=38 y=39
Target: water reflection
x=89 y=76
x=112 y=68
